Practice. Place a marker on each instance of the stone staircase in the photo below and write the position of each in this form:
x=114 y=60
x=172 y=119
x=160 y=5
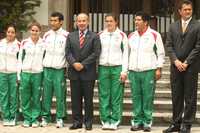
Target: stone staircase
x=162 y=103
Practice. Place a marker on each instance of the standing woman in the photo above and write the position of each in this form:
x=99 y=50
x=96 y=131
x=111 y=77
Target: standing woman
x=9 y=48
x=31 y=57
x=112 y=73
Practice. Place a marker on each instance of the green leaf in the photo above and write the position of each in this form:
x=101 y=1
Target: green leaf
x=19 y=12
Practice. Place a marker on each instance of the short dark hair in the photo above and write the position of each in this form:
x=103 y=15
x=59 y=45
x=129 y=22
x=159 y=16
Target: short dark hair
x=112 y=15
x=59 y=15
x=186 y=2
x=143 y=15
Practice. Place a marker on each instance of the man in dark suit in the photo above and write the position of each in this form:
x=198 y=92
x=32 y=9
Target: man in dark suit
x=82 y=51
x=183 y=47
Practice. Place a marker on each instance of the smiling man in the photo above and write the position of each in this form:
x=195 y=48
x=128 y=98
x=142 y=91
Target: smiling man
x=54 y=68
x=82 y=51
x=183 y=47
x=145 y=62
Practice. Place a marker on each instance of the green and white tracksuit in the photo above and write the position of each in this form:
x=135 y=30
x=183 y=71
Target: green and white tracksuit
x=113 y=62
x=30 y=59
x=146 y=55
x=54 y=69
x=8 y=78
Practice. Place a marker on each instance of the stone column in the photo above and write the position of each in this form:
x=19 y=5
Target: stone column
x=69 y=15
x=115 y=7
x=176 y=13
x=84 y=6
x=60 y=6
x=146 y=5
x=197 y=8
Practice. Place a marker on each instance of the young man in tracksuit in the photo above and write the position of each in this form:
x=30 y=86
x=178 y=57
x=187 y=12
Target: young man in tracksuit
x=113 y=65
x=31 y=56
x=54 y=69
x=9 y=49
x=145 y=62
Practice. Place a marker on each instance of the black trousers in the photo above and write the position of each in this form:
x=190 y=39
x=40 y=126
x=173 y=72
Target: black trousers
x=184 y=95
x=82 y=89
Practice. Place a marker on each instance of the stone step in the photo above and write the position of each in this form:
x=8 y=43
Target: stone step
x=162 y=84
x=160 y=104
x=165 y=84
x=158 y=117
x=165 y=67
x=166 y=75
x=159 y=93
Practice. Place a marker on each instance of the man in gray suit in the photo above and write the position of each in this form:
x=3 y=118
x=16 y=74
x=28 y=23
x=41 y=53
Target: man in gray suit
x=183 y=47
x=82 y=51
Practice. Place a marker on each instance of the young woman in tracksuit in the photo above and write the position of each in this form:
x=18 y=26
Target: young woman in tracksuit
x=31 y=57
x=145 y=62
x=9 y=48
x=113 y=64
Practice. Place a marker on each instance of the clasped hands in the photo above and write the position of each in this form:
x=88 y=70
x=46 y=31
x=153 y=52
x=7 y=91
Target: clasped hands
x=78 y=66
x=181 y=66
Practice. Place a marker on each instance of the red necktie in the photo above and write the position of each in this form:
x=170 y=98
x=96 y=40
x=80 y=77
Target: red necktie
x=81 y=39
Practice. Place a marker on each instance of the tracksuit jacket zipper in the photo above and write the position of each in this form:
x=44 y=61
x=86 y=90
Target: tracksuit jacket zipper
x=138 y=48
x=6 y=58
x=108 y=58
x=53 y=49
x=33 y=58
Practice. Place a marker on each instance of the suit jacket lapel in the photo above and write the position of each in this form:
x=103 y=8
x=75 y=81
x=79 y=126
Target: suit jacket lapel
x=76 y=38
x=189 y=26
x=179 y=27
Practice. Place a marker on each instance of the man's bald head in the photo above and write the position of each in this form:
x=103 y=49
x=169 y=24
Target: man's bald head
x=82 y=15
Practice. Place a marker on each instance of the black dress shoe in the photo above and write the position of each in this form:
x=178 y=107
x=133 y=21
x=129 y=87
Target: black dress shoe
x=147 y=129
x=136 y=127
x=185 y=129
x=172 y=128
x=88 y=126
x=75 y=126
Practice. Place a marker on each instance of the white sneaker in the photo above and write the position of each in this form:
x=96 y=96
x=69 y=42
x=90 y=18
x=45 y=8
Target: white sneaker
x=59 y=123
x=106 y=126
x=113 y=126
x=6 y=123
x=147 y=127
x=12 y=122
x=35 y=124
x=25 y=124
x=44 y=123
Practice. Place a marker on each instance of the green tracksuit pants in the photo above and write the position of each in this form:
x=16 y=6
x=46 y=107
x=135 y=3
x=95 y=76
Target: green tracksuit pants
x=111 y=92
x=8 y=95
x=54 y=82
x=30 y=90
x=143 y=89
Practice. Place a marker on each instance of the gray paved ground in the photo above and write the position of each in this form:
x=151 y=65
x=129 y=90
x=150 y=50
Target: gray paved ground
x=96 y=129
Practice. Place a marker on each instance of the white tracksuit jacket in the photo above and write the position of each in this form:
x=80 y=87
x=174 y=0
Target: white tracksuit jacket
x=32 y=55
x=114 y=49
x=55 y=49
x=8 y=56
x=142 y=55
